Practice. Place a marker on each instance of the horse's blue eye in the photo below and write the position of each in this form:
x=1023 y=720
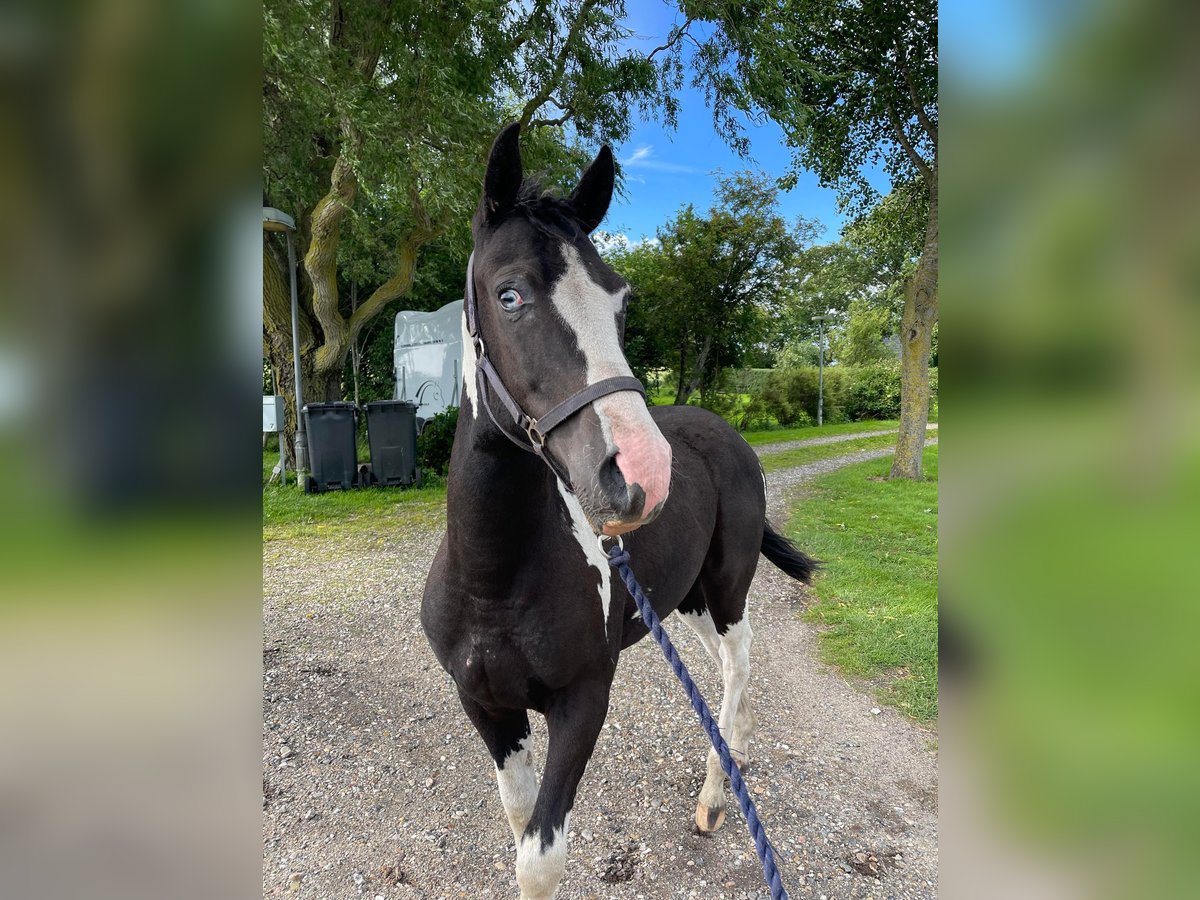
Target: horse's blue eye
x=511 y=300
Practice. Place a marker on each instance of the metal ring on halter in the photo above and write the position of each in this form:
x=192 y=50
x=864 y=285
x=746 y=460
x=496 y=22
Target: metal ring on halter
x=480 y=348
x=535 y=436
x=601 y=538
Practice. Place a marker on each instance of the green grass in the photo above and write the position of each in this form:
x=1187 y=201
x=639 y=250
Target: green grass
x=777 y=435
x=878 y=592
x=289 y=512
x=799 y=456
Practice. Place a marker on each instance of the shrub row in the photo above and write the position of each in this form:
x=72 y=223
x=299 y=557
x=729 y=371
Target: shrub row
x=789 y=396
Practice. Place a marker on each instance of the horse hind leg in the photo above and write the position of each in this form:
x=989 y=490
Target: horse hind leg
x=731 y=651
x=743 y=720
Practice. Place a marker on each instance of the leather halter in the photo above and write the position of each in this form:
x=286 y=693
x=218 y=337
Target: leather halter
x=535 y=429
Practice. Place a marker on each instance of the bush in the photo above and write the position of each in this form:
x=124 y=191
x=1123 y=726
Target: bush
x=791 y=395
x=435 y=442
x=852 y=394
x=873 y=392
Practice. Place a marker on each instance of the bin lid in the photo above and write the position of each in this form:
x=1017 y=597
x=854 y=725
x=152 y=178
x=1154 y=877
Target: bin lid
x=335 y=405
x=387 y=404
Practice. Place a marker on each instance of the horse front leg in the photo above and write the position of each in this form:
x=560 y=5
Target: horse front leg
x=507 y=736
x=574 y=717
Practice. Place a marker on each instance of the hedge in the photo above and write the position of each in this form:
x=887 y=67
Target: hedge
x=789 y=396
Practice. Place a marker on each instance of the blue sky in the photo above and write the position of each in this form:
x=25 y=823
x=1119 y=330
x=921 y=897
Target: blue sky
x=666 y=169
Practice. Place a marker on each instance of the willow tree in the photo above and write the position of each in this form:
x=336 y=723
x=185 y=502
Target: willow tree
x=377 y=120
x=852 y=83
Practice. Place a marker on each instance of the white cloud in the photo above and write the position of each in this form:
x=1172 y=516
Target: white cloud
x=643 y=158
x=616 y=241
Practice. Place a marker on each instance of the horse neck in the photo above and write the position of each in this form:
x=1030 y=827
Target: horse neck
x=499 y=497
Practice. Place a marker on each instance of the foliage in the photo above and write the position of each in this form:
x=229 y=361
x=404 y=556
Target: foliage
x=435 y=442
x=878 y=593
x=860 y=341
x=791 y=395
x=851 y=84
x=376 y=122
x=706 y=292
x=873 y=392
x=854 y=86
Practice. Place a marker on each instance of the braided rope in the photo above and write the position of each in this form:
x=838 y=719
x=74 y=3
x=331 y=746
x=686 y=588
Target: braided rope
x=619 y=560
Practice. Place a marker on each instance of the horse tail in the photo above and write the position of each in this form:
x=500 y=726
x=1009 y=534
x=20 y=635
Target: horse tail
x=787 y=556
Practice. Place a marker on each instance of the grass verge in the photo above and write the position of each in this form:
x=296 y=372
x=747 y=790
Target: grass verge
x=288 y=512
x=799 y=456
x=778 y=435
x=878 y=593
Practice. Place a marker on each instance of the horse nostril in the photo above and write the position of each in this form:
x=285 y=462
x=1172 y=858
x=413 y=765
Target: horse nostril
x=610 y=479
x=627 y=499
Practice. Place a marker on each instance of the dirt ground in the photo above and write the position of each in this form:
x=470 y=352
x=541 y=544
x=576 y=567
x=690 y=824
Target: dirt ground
x=375 y=785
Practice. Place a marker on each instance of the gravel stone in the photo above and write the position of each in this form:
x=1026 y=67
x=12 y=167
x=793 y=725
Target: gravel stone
x=403 y=794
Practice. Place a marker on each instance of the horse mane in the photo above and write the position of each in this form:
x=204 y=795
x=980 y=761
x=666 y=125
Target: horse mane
x=549 y=211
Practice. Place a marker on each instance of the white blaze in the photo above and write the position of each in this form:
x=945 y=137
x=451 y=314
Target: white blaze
x=591 y=549
x=590 y=312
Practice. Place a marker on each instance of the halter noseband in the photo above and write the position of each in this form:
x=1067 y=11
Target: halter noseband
x=535 y=430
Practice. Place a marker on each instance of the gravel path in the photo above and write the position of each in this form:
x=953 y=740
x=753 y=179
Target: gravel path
x=375 y=785
x=781 y=446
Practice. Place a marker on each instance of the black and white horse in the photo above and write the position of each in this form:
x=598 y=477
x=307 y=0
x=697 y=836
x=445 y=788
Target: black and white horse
x=521 y=607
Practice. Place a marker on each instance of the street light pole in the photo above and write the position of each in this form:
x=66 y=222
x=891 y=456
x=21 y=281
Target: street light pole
x=821 y=370
x=275 y=220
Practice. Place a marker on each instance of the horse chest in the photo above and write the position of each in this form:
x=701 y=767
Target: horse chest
x=508 y=648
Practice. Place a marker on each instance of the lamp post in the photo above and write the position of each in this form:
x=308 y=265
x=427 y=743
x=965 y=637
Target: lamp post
x=821 y=320
x=276 y=220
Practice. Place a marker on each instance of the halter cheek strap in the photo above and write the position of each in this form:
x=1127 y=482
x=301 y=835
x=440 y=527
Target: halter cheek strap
x=535 y=430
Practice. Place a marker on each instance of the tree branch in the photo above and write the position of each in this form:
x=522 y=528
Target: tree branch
x=677 y=34
x=914 y=157
x=918 y=107
x=401 y=281
x=560 y=64
x=321 y=259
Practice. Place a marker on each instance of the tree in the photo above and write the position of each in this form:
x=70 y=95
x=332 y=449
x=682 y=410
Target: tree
x=860 y=280
x=706 y=292
x=850 y=82
x=377 y=120
x=860 y=340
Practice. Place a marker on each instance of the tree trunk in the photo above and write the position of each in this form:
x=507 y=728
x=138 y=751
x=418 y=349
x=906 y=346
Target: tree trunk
x=277 y=334
x=916 y=333
x=696 y=381
x=680 y=373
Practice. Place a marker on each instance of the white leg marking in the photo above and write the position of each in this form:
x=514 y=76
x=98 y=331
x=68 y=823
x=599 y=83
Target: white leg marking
x=591 y=550
x=735 y=672
x=470 y=382
x=539 y=869
x=518 y=787
x=702 y=624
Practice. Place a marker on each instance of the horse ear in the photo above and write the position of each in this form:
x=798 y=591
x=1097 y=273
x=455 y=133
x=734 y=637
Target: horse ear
x=503 y=178
x=595 y=189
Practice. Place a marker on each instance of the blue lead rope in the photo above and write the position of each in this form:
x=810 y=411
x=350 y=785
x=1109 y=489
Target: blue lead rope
x=619 y=560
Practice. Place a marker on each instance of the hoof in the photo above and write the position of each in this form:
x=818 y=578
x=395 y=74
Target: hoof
x=709 y=820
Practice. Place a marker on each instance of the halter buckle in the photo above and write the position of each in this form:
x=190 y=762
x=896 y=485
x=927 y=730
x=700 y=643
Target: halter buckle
x=535 y=435
x=480 y=347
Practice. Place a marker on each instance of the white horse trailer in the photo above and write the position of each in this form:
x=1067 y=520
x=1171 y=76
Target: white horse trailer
x=428 y=359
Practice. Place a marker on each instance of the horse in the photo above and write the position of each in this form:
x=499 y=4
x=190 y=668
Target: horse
x=520 y=607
